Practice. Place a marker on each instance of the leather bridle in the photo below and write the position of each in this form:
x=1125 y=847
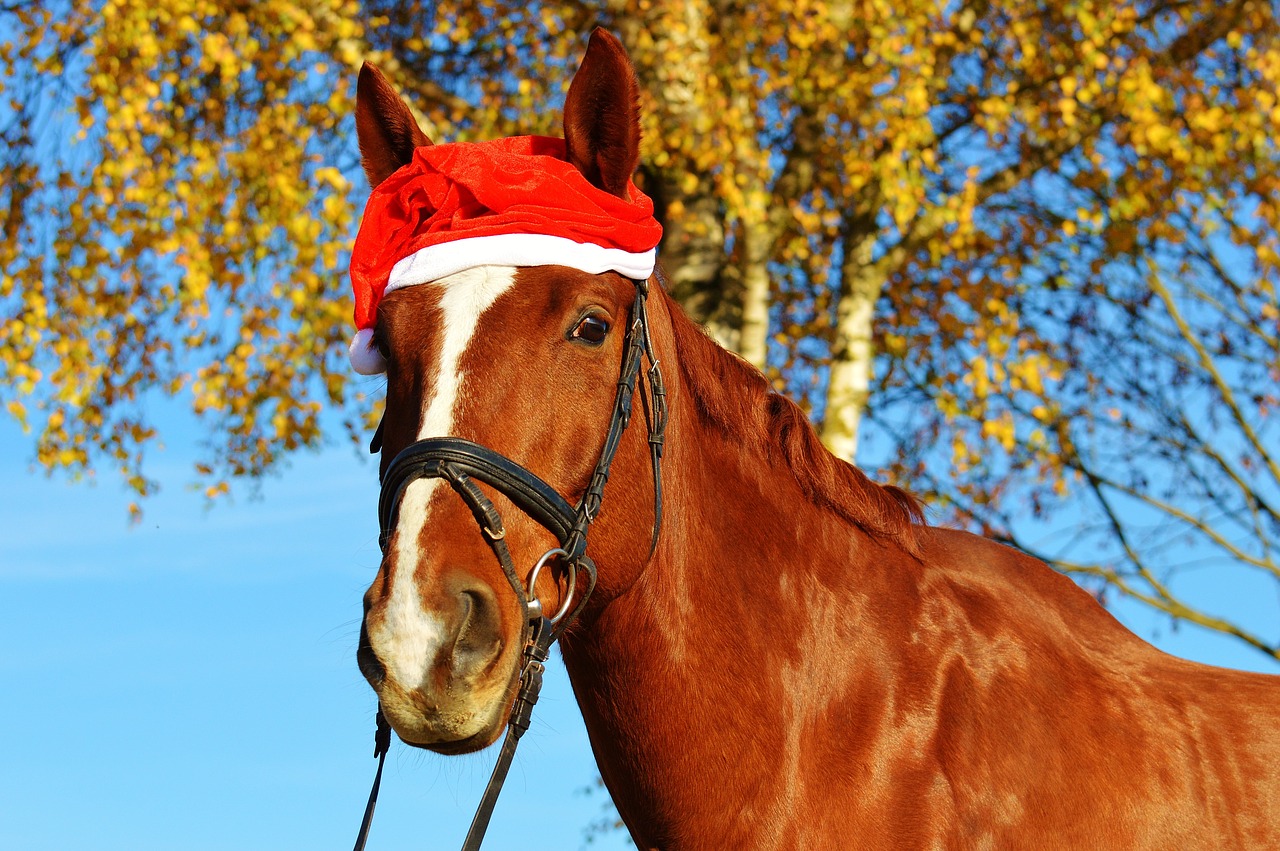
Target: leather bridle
x=462 y=463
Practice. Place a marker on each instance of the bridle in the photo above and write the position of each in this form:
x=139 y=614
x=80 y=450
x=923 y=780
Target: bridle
x=462 y=463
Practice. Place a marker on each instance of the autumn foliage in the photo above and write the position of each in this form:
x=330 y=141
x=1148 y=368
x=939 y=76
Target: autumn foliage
x=1025 y=253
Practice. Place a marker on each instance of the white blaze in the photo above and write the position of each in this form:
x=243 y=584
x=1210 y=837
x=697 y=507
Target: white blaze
x=407 y=637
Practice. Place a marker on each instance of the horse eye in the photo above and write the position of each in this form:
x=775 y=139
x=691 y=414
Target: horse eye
x=592 y=329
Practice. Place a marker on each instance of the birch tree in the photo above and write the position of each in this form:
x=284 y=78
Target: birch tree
x=1024 y=254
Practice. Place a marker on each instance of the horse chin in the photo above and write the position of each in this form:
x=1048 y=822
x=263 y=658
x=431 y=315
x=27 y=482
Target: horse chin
x=479 y=741
x=467 y=724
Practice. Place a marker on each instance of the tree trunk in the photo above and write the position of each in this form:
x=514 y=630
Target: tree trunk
x=852 y=352
x=757 y=244
x=675 y=65
x=692 y=254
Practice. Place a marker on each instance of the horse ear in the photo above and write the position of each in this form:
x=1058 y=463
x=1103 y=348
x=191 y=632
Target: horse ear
x=602 y=116
x=386 y=128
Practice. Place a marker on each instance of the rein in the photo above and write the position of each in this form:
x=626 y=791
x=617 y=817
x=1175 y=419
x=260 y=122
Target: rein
x=462 y=463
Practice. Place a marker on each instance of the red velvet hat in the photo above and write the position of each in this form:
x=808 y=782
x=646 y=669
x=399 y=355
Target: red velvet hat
x=508 y=202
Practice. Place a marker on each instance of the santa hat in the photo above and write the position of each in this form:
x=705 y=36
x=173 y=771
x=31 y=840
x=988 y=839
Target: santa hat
x=508 y=202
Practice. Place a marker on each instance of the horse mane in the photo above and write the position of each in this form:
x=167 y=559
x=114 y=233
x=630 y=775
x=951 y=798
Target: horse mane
x=739 y=401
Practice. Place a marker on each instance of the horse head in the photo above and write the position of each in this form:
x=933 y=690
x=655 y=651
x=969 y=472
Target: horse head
x=514 y=352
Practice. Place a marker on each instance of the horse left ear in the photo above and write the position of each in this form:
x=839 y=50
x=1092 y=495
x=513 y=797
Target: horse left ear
x=385 y=126
x=602 y=116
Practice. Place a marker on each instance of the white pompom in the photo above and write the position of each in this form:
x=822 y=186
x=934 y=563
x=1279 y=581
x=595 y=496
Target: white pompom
x=365 y=357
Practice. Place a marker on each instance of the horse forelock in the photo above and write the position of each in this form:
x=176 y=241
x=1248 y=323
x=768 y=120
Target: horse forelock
x=739 y=401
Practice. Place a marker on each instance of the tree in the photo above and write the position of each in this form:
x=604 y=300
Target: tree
x=1120 y=354
x=165 y=233
x=1032 y=247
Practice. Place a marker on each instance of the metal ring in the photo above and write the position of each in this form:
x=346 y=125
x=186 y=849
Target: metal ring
x=535 y=605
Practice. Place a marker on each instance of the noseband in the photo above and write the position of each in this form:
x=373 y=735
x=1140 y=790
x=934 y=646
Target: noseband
x=462 y=463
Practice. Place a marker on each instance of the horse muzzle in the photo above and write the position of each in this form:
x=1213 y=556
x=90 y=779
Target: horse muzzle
x=441 y=674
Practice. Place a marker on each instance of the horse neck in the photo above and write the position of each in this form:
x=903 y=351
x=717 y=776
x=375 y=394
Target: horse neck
x=711 y=654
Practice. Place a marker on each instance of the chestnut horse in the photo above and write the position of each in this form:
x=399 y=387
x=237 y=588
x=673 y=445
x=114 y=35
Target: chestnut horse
x=799 y=662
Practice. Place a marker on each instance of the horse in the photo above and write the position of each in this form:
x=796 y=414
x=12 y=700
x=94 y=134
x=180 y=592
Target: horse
x=783 y=654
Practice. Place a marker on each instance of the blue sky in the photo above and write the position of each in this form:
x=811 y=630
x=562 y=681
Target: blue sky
x=190 y=682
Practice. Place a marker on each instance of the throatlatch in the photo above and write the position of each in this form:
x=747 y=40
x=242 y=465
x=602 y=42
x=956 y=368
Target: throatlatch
x=461 y=463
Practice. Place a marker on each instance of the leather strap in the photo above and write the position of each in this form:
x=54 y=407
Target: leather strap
x=381 y=744
x=424 y=458
x=536 y=653
x=490 y=525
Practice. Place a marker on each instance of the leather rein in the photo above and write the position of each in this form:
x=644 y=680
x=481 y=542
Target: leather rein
x=462 y=463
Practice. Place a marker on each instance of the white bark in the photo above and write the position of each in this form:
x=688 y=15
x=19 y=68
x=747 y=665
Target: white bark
x=852 y=356
x=753 y=343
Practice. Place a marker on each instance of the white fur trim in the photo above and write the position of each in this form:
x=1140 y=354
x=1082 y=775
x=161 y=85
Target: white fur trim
x=516 y=249
x=365 y=357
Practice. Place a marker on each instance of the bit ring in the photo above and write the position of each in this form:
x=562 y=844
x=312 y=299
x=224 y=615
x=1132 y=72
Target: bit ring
x=535 y=605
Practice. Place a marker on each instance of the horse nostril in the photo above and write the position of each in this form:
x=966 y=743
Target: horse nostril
x=368 y=661
x=479 y=639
